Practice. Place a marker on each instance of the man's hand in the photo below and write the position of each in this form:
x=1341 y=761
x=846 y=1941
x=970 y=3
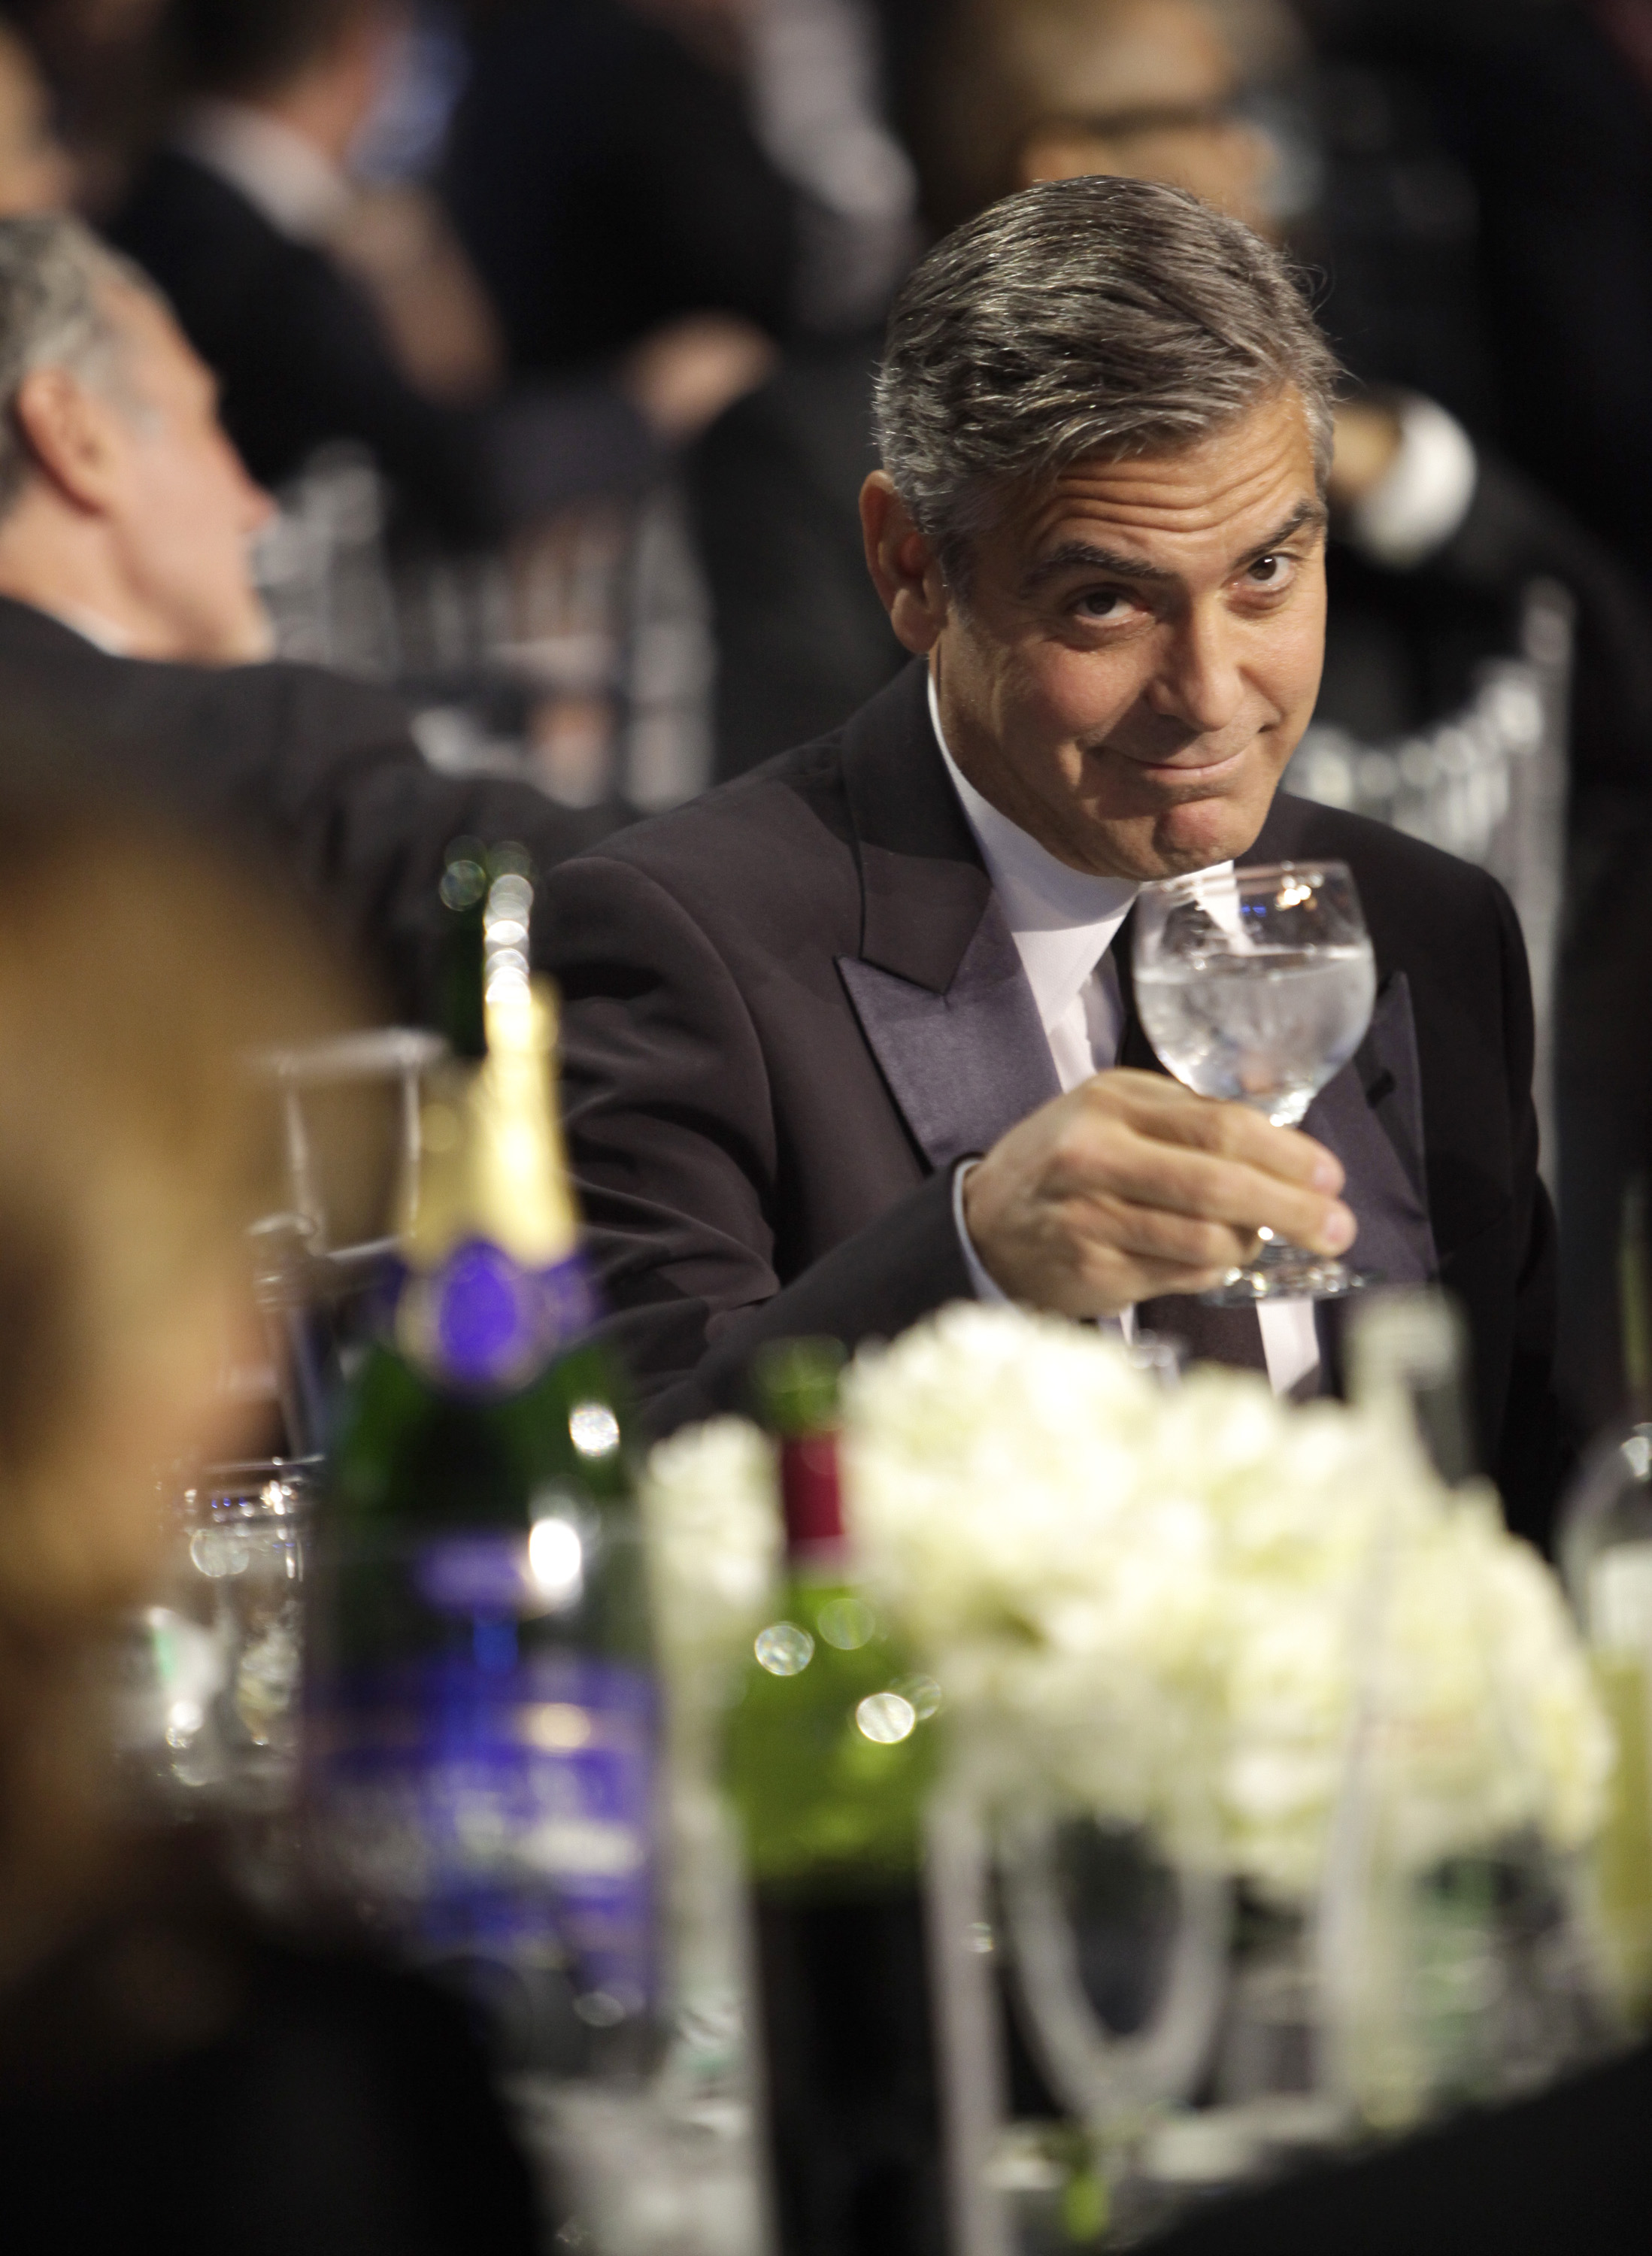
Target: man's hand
x=681 y=377
x=1130 y=1187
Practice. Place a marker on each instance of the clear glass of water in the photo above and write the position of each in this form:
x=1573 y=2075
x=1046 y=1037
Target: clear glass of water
x=1256 y=985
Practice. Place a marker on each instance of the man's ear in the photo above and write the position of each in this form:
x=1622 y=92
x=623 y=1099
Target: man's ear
x=904 y=567
x=70 y=432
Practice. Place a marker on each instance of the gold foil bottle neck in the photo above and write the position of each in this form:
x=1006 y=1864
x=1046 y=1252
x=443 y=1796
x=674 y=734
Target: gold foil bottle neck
x=493 y=1164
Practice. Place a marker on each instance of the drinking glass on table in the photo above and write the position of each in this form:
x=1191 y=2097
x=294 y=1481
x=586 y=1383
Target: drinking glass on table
x=1256 y=985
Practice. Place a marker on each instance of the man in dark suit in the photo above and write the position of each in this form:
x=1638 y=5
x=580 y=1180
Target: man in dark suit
x=128 y=623
x=604 y=175
x=232 y=219
x=850 y=1038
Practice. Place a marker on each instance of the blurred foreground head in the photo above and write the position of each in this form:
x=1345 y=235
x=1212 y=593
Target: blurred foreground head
x=135 y=1150
x=135 y=974
x=123 y=508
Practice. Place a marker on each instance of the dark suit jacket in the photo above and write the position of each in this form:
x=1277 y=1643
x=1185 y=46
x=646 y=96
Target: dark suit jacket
x=246 y=2091
x=792 y=1004
x=315 y=772
x=1567 y=2172
x=302 y=360
x=605 y=177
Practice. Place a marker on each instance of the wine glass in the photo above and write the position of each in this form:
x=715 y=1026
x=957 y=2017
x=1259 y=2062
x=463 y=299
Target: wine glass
x=1256 y=985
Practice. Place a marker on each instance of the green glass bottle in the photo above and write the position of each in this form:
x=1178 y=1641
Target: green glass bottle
x=481 y=1703
x=1604 y=1547
x=831 y=1752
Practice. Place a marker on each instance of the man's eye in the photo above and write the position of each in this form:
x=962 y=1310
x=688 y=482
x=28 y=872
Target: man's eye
x=1270 y=571
x=1104 y=604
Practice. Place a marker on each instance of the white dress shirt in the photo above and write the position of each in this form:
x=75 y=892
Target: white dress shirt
x=281 y=174
x=1423 y=495
x=1063 y=923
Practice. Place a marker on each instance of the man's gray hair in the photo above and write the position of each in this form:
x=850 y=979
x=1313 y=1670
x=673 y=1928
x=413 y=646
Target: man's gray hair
x=1090 y=317
x=55 y=313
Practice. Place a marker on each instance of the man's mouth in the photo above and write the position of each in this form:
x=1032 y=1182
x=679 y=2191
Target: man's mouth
x=1194 y=766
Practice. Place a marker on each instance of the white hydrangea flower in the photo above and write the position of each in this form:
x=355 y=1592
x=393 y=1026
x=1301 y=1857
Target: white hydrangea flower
x=1163 y=1604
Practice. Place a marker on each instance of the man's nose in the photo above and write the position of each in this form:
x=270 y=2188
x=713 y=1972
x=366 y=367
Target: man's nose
x=1198 y=681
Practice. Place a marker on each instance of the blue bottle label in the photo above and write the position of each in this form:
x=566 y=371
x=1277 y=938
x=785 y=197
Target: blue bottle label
x=480 y=1322
x=499 y=1803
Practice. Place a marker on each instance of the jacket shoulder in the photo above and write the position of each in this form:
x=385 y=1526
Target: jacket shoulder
x=1396 y=874
x=51 y=680
x=771 y=853
x=312 y=702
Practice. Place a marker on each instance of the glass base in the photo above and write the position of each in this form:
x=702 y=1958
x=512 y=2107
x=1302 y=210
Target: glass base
x=1287 y=1273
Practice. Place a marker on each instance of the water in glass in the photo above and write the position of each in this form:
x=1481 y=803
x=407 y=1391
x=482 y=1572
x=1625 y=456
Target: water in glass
x=1269 y=1028
x=1256 y=985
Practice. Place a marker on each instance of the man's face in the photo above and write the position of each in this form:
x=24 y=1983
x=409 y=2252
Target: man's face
x=1146 y=89
x=1140 y=647
x=183 y=509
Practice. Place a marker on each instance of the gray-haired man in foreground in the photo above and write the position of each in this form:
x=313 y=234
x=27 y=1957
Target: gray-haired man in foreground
x=131 y=629
x=853 y=1036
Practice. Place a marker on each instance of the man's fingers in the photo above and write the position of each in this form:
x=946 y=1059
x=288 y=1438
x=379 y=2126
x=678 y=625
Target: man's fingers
x=1115 y=1169
x=1168 y=1113
x=1130 y=1187
x=1113 y=1165
x=1157 y=1234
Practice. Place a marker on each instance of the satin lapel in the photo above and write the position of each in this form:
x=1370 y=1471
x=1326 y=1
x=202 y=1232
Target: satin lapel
x=965 y=1065
x=1371 y=1116
x=938 y=984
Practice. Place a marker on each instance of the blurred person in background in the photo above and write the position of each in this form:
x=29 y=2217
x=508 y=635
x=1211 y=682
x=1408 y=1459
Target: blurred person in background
x=37 y=173
x=1535 y=122
x=605 y=176
x=106 y=67
x=232 y=218
x=1435 y=539
x=173 y=2071
x=131 y=636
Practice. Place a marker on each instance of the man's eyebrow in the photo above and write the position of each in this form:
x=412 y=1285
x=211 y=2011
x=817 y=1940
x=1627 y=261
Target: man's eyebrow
x=1306 y=513
x=1086 y=556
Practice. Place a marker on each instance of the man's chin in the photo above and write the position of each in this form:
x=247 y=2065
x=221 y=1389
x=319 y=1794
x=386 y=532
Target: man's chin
x=1206 y=830
x=1178 y=840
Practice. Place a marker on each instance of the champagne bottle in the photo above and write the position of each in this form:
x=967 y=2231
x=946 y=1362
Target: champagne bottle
x=831 y=1751
x=481 y=1705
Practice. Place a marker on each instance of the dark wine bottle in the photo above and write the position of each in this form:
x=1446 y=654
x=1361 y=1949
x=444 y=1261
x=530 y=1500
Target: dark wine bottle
x=831 y=1752
x=481 y=1703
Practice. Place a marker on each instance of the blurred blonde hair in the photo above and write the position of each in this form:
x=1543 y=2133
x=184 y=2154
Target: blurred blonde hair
x=136 y=971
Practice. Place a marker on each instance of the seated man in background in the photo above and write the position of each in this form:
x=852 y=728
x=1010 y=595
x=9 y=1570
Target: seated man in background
x=173 y=2071
x=844 y=1039
x=232 y=218
x=129 y=625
